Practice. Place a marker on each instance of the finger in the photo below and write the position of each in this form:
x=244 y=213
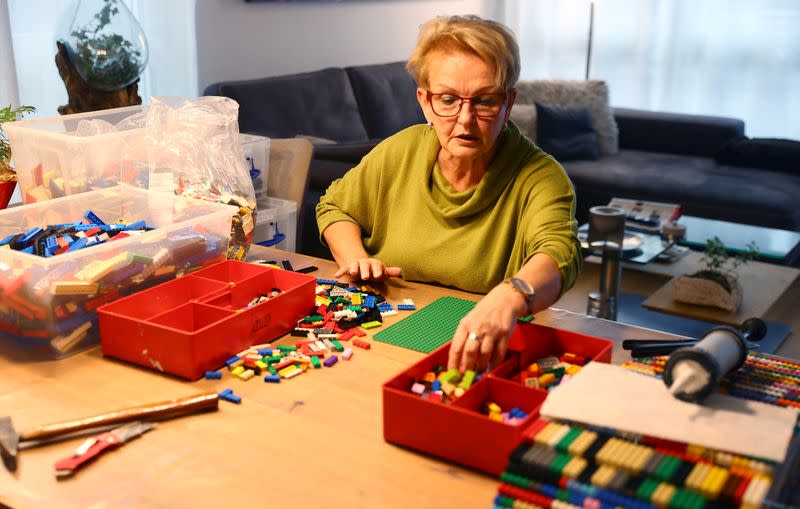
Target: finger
x=469 y=359
x=394 y=271
x=377 y=269
x=498 y=356
x=500 y=351
x=341 y=272
x=487 y=349
x=352 y=268
x=364 y=268
x=456 y=349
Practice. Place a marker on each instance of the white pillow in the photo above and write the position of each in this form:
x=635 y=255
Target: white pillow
x=524 y=115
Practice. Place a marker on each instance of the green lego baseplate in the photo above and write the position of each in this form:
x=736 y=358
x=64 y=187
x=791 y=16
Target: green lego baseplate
x=429 y=328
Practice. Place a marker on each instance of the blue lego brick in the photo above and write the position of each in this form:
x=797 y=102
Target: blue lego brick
x=406 y=307
x=136 y=225
x=232 y=360
x=272 y=378
x=30 y=234
x=321 y=281
x=228 y=395
x=369 y=301
x=8 y=239
x=213 y=375
x=78 y=244
x=92 y=218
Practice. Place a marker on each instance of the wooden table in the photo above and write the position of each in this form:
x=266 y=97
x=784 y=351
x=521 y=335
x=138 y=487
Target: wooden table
x=313 y=441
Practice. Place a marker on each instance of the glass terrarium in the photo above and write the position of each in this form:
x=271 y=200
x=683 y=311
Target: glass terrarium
x=105 y=43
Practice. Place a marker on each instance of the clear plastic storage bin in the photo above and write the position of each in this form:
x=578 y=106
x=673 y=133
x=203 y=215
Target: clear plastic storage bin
x=276 y=223
x=64 y=155
x=49 y=303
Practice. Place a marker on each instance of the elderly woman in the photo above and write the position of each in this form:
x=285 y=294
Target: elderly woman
x=465 y=201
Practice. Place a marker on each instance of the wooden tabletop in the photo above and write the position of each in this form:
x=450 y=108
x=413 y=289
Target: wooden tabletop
x=312 y=441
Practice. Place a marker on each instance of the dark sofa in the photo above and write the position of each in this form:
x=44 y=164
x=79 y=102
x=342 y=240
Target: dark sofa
x=662 y=156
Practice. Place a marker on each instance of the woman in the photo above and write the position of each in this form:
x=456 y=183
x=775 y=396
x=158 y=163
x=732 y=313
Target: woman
x=466 y=201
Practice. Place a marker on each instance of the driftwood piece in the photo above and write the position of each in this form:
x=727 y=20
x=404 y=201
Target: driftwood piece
x=695 y=290
x=83 y=97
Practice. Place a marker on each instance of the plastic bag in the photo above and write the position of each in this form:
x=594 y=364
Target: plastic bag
x=195 y=152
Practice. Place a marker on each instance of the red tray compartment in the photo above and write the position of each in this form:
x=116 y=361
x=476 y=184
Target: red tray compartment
x=458 y=431
x=532 y=341
x=191 y=324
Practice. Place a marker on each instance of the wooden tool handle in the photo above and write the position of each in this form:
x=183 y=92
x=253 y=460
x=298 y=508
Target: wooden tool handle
x=150 y=412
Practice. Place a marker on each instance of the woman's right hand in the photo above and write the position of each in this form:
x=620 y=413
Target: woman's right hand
x=367 y=269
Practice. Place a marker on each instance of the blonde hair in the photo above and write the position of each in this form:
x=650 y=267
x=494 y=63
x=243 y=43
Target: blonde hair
x=488 y=40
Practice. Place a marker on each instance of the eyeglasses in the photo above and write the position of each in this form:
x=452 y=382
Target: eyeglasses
x=484 y=105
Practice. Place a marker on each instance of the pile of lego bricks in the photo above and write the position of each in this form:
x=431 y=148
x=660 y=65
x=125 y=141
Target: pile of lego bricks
x=55 y=239
x=766 y=378
x=339 y=313
x=564 y=465
x=59 y=306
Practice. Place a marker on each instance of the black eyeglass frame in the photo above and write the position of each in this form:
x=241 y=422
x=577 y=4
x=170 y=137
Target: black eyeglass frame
x=429 y=96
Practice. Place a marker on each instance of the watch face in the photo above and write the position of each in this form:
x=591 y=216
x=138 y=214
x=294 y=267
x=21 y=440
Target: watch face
x=522 y=286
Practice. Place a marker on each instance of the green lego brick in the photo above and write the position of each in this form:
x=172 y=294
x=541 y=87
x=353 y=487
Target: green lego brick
x=570 y=437
x=430 y=327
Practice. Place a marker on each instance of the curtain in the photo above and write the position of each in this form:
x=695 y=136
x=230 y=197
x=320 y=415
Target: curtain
x=737 y=58
x=9 y=93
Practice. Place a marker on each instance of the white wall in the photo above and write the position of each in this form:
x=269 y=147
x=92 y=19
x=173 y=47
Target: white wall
x=239 y=40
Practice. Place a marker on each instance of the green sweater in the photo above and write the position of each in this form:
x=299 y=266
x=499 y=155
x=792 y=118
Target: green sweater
x=411 y=217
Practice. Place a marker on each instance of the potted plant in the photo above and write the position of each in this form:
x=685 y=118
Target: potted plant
x=717 y=284
x=8 y=178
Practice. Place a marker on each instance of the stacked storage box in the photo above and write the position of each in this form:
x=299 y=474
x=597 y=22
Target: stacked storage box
x=49 y=302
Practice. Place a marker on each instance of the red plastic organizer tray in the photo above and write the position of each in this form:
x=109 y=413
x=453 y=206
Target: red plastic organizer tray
x=458 y=431
x=195 y=323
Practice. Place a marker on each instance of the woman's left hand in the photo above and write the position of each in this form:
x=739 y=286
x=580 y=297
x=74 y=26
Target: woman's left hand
x=481 y=338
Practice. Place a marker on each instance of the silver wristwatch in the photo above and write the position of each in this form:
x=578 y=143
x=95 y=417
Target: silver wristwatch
x=525 y=289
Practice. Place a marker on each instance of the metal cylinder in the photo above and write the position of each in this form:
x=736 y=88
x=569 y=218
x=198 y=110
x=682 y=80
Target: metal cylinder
x=606 y=233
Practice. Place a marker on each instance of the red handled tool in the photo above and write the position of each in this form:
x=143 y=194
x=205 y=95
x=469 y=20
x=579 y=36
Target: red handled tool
x=93 y=447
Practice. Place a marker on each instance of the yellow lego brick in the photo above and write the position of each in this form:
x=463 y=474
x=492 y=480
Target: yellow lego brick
x=356 y=299
x=602 y=476
x=642 y=457
x=246 y=374
x=371 y=325
x=238 y=370
x=608 y=451
x=662 y=495
x=574 y=467
x=290 y=371
x=580 y=444
x=73 y=288
x=544 y=435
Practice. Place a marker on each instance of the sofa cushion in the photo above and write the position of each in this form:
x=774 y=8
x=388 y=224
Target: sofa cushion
x=771 y=153
x=387 y=98
x=566 y=133
x=524 y=115
x=319 y=103
x=591 y=94
x=704 y=188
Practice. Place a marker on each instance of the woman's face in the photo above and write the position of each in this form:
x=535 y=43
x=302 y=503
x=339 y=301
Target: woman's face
x=466 y=135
